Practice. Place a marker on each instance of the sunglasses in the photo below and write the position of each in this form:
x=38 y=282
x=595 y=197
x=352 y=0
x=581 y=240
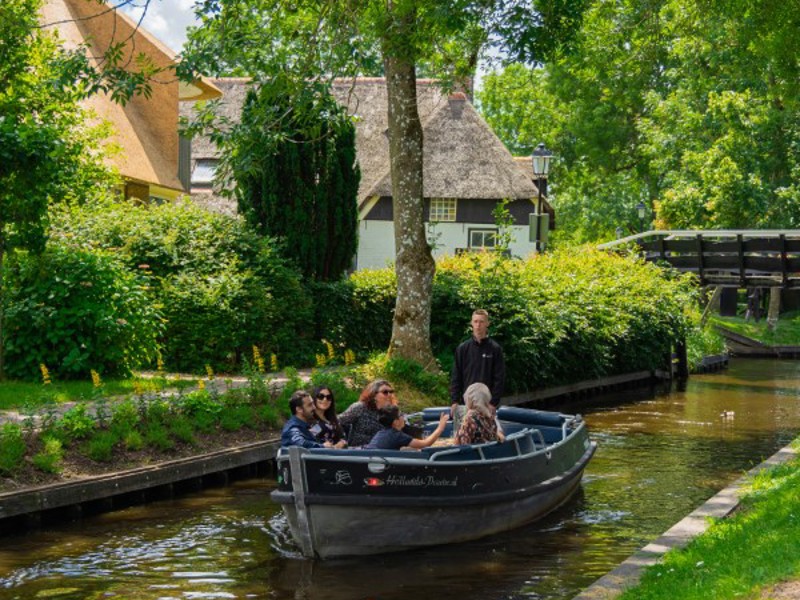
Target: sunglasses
x=386 y=392
x=324 y=396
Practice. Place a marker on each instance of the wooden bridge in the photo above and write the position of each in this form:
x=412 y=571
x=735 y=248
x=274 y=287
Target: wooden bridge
x=724 y=258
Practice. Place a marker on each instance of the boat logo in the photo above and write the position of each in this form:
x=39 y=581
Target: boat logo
x=342 y=478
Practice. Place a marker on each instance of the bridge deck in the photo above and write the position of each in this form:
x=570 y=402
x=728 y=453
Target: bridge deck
x=729 y=258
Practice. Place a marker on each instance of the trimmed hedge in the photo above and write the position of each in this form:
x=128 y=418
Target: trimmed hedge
x=561 y=317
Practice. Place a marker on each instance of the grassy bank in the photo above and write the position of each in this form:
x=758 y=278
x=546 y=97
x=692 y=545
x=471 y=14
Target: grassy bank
x=736 y=557
x=786 y=332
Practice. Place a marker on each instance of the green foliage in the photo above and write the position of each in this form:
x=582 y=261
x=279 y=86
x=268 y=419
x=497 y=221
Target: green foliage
x=689 y=108
x=51 y=456
x=12 y=449
x=434 y=385
x=75 y=424
x=75 y=310
x=133 y=441
x=182 y=430
x=298 y=182
x=100 y=447
x=221 y=287
x=156 y=435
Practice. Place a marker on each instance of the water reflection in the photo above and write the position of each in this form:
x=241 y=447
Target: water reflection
x=660 y=455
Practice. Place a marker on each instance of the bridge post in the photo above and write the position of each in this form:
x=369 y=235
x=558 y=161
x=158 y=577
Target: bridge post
x=774 y=307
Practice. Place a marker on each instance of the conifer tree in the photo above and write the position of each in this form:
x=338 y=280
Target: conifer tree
x=298 y=181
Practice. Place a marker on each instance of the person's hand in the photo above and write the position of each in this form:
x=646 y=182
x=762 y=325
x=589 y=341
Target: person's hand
x=341 y=444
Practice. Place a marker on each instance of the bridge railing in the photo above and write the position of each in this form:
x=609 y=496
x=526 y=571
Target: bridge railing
x=729 y=258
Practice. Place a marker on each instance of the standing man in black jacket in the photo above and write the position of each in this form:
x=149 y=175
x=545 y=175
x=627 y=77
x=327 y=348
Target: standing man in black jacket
x=479 y=359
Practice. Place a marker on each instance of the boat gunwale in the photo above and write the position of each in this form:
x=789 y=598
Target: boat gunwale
x=358 y=499
x=346 y=455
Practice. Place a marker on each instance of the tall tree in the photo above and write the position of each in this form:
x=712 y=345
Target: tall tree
x=297 y=180
x=47 y=152
x=313 y=39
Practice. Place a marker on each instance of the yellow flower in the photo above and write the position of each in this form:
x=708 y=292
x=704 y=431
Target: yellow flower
x=349 y=357
x=160 y=364
x=321 y=360
x=210 y=372
x=96 y=378
x=273 y=362
x=137 y=388
x=201 y=384
x=331 y=351
x=45 y=374
x=258 y=359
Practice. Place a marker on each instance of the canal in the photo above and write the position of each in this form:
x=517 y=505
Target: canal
x=661 y=454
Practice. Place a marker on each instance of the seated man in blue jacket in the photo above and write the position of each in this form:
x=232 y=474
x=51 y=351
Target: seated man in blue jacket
x=296 y=431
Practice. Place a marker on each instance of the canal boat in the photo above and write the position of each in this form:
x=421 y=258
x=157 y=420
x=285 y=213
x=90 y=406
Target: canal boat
x=356 y=501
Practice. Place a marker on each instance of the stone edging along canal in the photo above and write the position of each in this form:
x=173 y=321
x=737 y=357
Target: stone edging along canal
x=720 y=505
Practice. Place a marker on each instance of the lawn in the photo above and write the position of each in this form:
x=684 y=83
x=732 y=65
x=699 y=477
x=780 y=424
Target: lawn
x=20 y=395
x=786 y=333
x=736 y=557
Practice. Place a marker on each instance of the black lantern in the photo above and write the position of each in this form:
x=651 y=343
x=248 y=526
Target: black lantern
x=641 y=210
x=540 y=161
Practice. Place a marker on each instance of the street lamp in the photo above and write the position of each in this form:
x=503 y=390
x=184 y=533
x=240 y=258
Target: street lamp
x=641 y=210
x=540 y=160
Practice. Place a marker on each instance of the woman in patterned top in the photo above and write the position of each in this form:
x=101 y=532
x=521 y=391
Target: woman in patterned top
x=479 y=425
x=361 y=418
x=326 y=427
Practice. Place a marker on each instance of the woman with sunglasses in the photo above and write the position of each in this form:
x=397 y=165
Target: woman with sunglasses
x=361 y=418
x=326 y=427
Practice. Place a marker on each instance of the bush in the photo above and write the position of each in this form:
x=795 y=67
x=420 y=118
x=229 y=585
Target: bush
x=50 y=458
x=75 y=424
x=100 y=448
x=12 y=449
x=76 y=310
x=223 y=288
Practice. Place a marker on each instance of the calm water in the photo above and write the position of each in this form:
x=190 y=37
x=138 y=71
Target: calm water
x=661 y=454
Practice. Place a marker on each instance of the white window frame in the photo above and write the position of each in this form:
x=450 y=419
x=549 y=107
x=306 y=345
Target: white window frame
x=484 y=233
x=203 y=172
x=442 y=210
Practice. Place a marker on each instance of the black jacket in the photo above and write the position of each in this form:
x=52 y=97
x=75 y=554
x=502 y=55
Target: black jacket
x=478 y=362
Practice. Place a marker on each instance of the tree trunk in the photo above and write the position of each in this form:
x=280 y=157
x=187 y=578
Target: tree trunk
x=415 y=267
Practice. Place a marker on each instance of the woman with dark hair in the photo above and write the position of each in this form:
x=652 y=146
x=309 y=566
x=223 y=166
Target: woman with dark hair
x=361 y=418
x=326 y=427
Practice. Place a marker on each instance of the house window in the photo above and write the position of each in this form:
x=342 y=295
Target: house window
x=482 y=238
x=442 y=210
x=203 y=173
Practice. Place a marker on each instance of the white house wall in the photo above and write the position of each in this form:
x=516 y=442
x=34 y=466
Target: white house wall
x=376 y=241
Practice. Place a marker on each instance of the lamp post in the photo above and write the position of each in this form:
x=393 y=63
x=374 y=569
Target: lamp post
x=540 y=160
x=641 y=209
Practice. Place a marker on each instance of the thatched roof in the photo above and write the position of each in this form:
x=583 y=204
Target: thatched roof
x=463 y=158
x=146 y=128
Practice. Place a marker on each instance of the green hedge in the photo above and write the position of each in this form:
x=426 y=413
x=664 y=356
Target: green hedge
x=74 y=310
x=561 y=317
x=221 y=287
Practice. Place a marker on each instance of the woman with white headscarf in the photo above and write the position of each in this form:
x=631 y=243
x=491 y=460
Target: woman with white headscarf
x=478 y=425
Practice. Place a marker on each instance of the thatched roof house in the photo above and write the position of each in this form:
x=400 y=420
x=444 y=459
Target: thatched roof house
x=466 y=169
x=146 y=129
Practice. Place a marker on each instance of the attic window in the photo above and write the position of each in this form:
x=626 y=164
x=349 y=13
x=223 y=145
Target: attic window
x=443 y=210
x=203 y=173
